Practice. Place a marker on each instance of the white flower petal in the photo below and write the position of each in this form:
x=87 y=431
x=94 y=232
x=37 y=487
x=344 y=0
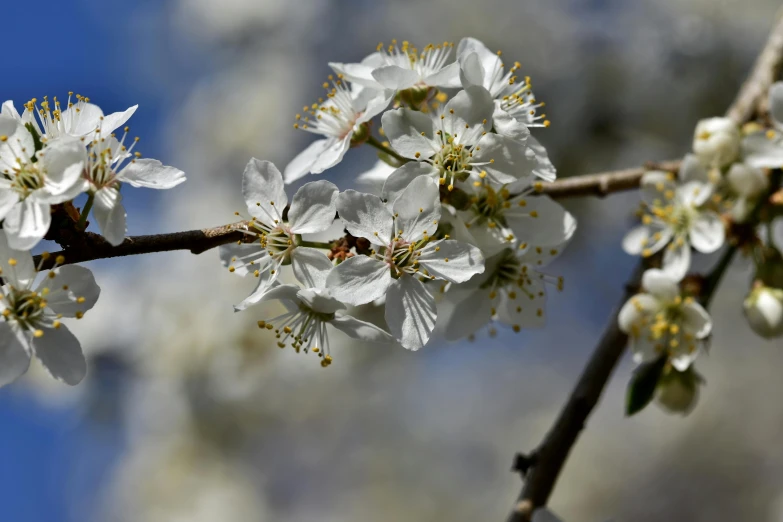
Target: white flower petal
x=417 y=210
x=468 y=112
x=263 y=190
x=359 y=280
x=660 y=284
x=677 y=260
x=471 y=70
x=507 y=125
x=682 y=362
x=319 y=300
x=72 y=290
x=470 y=314
x=707 y=233
x=311 y=266
x=109 y=212
x=552 y=224
x=278 y=292
x=374 y=178
x=776 y=102
x=266 y=280
x=313 y=207
x=404 y=128
x=376 y=105
x=82 y=119
x=151 y=173
x=360 y=329
x=63 y=160
x=332 y=154
x=490 y=62
x=655 y=185
x=696 y=321
x=396 y=182
x=300 y=166
x=410 y=312
x=635 y=309
x=239 y=256
x=511 y=161
x=365 y=216
x=525 y=310
x=395 y=77
x=692 y=169
x=694 y=193
x=22 y=273
x=762 y=151
x=447 y=77
x=8 y=198
x=116 y=120
x=642 y=237
x=60 y=352
x=747 y=181
x=14 y=358
x=452 y=260
x=27 y=223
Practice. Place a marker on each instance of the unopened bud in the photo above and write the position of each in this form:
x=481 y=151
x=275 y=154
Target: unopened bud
x=764 y=311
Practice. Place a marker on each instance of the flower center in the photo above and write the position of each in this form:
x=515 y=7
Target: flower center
x=278 y=240
x=402 y=256
x=26 y=178
x=26 y=307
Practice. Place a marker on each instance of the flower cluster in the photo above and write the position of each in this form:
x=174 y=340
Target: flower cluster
x=720 y=191
x=49 y=155
x=457 y=232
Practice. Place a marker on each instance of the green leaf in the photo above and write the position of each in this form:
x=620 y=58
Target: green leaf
x=641 y=389
x=36 y=139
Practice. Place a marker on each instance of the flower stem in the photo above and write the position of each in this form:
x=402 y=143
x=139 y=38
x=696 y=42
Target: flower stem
x=82 y=224
x=373 y=141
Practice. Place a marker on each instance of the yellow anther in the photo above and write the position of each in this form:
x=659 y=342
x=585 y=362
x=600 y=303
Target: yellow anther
x=38 y=333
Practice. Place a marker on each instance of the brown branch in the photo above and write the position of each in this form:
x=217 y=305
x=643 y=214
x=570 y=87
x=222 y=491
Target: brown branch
x=196 y=241
x=604 y=183
x=547 y=461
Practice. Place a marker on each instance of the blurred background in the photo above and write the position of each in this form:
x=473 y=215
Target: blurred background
x=190 y=413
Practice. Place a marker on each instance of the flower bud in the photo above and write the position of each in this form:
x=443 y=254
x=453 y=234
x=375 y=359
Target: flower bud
x=678 y=391
x=764 y=311
x=717 y=141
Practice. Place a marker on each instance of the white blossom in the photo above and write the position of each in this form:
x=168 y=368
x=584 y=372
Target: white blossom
x=406 y=253
x=746 y=185
x=515 y=104
x=764 y=149
x=277 y=240
x=764 y=311
x=31 y=316
x=454 y=143
x=660 y=320
x=678 y=392
x=675 y=216
x=403 y=67
x=79 y=119
x=375 y=177
x=310 y=310
x=511 y=291
x=716 y=141
x=340 y=119
x=499 y=218
x=109 y=164
x=34 y=181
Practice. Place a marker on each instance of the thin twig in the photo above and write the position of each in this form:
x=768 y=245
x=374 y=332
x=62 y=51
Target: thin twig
x=552 y=453
x=604 y=183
